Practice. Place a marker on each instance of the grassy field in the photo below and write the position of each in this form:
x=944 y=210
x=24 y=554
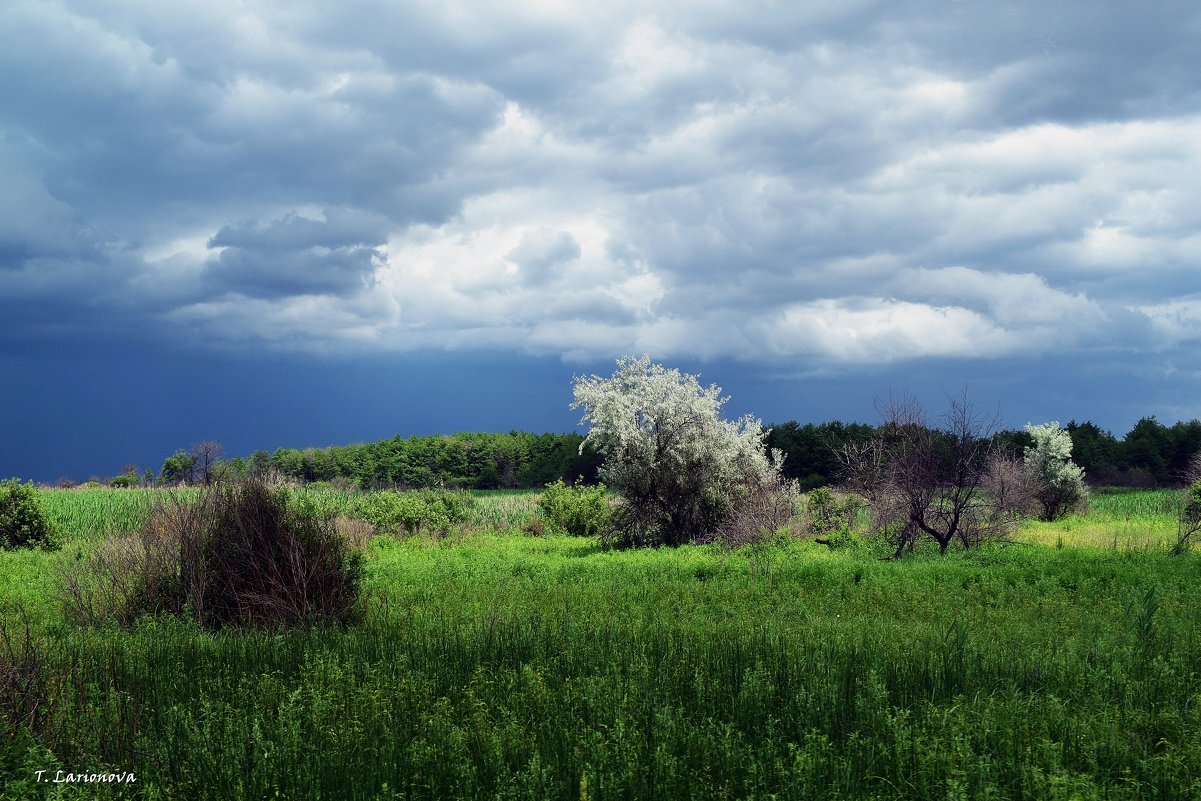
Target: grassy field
x=1116 y=520
x=492 y=664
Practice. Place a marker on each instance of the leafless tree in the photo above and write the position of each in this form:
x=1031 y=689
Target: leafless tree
x=947 y=483
x=208 y=454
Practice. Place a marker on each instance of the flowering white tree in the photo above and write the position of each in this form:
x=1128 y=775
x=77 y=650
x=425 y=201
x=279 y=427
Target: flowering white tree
x=680 y=467
x=1060 y=481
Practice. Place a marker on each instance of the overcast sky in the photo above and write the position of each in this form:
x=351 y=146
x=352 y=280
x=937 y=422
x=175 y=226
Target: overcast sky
x=302 y=223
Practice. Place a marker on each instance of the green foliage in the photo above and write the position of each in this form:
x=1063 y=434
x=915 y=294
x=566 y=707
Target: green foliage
x=464 y=461
x=811 y=450
x=91 y=513
x=577 y=510
x=179 y=468
x=1059 y=482
x=510 y=667
x=413 y=511
x=23 y=522
x=826 y=514
x=830 y=519
x=679 y=466
x=124 y=481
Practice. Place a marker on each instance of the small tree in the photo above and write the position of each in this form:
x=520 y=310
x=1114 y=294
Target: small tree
x=1188 y=507
x=124 y=481
x=23 y=523
x=207 y=455
x=259 y=465
x=1059 y=482
x=679 y=467
x=178 y=468
x=920 y=481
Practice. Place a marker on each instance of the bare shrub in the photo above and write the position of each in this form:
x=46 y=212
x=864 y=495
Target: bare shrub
x=1012 y=485
x=117 y=581
x=757 y=509
x=534 y=526
x=920 y=481
x=239 y=554
x=1188 y=507
x=27 y=696
x=356 y=532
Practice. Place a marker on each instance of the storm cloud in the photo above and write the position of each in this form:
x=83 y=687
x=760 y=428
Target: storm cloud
x=795 y=187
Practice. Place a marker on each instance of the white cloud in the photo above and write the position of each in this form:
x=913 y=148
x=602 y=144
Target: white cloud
x=1175 y=321
x=877 y=331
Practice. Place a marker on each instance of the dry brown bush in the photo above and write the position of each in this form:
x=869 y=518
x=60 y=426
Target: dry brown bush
x=239 y=554
x=947 y=483
x=357 y=533
x=758 y=510
x=28 y=697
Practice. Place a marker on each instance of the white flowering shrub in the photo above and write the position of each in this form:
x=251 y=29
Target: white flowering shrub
x=1059 y=482
x=680 y=468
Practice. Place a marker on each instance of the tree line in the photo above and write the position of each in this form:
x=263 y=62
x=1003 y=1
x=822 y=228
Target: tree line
x=1149 y=455
x=516 y=460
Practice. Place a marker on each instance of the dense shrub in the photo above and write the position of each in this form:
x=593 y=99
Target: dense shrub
x=23 y=523
x=679 y=466
x=239 y=554
x=1059 y=482
x=578 y=510
x=830 y=520
x=757 y=510
x=410 y=512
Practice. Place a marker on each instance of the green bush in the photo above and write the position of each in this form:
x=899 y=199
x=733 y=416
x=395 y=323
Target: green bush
x=455 y=505
x=23 y=523
x=578 y=510
x=410 y=512
x=829 y=519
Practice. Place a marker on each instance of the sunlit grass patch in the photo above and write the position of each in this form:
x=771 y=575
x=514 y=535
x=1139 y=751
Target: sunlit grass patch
x=1115 y=521
x=503 y=510
x=1102 y=532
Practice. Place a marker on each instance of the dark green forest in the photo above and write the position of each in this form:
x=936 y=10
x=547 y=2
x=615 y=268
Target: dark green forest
x=1149 y=455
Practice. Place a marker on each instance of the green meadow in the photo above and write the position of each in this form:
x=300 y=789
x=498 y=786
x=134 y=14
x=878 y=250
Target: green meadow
x=490 y=663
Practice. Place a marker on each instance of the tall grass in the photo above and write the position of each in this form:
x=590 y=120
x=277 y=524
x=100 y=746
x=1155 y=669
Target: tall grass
x=87 y=515
x=500 y=666
x=1130 y=520
x=503 y=510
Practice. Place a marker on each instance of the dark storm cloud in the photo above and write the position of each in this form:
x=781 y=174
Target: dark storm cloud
x=297 y=255
x=826 y=183
x=819 y=199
